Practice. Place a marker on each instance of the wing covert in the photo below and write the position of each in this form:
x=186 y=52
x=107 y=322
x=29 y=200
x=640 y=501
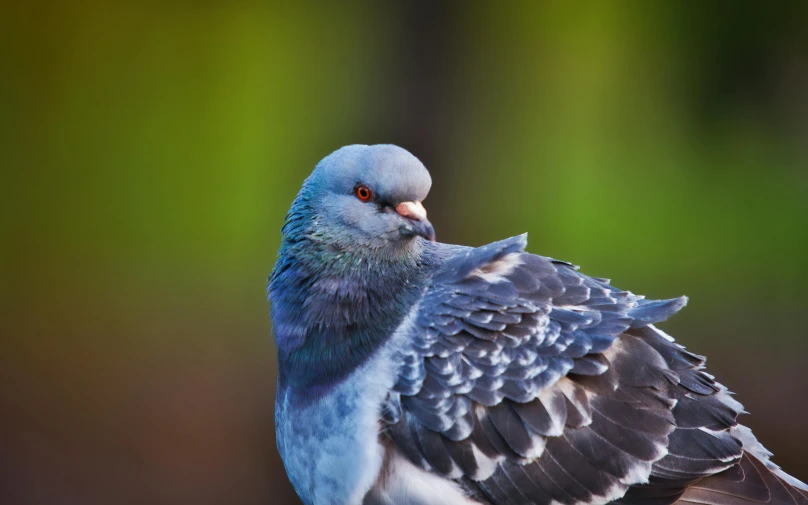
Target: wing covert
x=521 y=378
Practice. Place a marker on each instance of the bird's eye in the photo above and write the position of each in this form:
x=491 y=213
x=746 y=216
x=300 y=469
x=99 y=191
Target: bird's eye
x=363 y=193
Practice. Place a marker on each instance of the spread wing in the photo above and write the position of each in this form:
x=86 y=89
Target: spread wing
x=530 y=383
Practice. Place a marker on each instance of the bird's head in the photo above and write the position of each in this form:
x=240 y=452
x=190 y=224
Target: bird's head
x=366 y=197
x=360 y=209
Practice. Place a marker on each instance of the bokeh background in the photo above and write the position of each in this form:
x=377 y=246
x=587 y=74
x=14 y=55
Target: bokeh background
x=150 y=151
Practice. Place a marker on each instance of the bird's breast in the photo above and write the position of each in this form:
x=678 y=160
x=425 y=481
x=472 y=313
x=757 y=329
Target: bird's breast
x=330 y=445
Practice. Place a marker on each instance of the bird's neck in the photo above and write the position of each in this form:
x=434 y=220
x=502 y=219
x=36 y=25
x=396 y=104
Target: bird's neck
x=333 y=307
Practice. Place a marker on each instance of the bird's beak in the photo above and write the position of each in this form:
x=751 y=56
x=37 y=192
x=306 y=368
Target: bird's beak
x=414 y=215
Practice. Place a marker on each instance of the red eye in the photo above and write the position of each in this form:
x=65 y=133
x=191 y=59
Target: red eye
x=363 y=193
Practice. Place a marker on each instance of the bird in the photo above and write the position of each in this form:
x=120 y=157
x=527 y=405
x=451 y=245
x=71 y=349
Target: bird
x=413 y=372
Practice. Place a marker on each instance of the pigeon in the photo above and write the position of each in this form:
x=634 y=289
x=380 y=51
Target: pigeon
x=413 y=372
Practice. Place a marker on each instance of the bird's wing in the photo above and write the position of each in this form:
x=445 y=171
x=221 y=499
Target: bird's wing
x=530 y=383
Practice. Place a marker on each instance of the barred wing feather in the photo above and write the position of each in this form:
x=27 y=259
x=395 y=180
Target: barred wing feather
x=528 y=382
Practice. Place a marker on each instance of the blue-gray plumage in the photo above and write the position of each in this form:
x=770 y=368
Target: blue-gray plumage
x=416 y=373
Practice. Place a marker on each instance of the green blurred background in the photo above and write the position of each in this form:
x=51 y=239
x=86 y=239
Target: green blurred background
x=150 y=151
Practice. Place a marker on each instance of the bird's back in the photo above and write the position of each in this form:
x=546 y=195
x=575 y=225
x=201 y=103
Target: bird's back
x=529 y=383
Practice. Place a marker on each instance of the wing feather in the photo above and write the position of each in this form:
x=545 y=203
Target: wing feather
x=531 y=383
